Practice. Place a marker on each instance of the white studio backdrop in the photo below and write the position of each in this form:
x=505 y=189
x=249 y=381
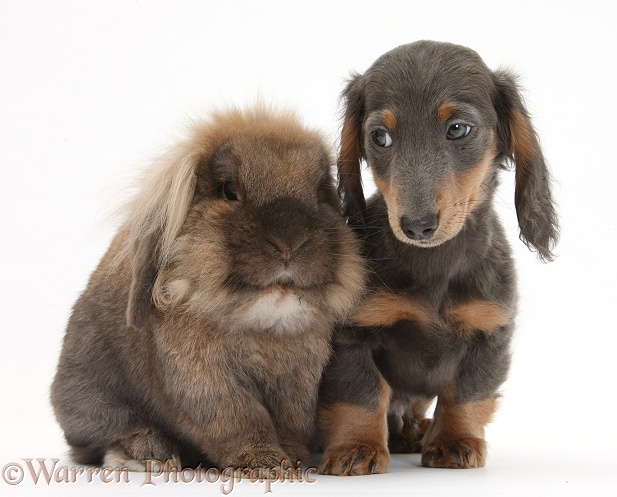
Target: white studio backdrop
x=90 y=92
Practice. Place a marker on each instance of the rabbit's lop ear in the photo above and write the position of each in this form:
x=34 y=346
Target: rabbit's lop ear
x=144 y=263
x=155 y=218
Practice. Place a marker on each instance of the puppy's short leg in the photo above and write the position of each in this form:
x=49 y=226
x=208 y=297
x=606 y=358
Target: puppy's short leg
x=353 y=415
x=407 y=429
x=456 y=437
x=135 y=450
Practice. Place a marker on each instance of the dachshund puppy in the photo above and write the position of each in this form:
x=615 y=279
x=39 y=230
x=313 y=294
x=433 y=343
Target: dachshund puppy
x=205 y=329
x=435 y=126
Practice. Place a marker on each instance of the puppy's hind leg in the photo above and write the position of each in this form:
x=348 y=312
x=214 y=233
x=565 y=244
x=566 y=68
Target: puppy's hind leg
x=408 y=425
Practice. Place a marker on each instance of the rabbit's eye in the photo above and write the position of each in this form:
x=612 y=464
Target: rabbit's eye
x=229 y=192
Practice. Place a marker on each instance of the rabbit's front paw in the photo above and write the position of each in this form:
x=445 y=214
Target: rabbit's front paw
x=258 y=459
x=297 y=452
x=118 y=459
x=146 y=450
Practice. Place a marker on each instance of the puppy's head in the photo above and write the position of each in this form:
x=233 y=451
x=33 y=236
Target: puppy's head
x=434 y=124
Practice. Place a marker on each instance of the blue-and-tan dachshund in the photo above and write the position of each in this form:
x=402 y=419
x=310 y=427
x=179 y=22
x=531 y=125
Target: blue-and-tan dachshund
x=435 y=127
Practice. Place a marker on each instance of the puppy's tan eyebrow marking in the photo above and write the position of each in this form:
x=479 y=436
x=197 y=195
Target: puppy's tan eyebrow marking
x=446 y=111
x=389 y=118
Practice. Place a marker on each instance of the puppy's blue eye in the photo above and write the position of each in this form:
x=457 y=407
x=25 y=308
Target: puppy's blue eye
x=381 y=138
x=456 y=131
x=229 y=191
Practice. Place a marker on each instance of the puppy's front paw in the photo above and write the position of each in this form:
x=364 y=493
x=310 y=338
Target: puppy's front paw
x=353 y=460
x=462 y=453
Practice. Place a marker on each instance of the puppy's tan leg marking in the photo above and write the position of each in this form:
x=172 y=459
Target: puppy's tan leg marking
x=456 y=436
x=478 y=315
x=385 y=309
x=356 y=438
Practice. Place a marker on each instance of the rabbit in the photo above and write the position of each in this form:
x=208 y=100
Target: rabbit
x=206 y=326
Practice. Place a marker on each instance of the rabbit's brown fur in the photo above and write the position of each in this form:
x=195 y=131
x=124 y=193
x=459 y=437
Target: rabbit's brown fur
x=207 y=324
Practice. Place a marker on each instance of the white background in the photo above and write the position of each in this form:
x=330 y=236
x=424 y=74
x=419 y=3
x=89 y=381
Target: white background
x=90 y=91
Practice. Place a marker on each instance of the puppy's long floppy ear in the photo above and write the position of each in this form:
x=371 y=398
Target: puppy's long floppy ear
x=349 y=174
x=535 y=210
x=156 y=216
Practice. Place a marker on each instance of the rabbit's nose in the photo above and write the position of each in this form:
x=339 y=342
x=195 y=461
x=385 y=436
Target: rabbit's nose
x=287 y=250
x=286 y=255
x=282 y=251
x=287 y=226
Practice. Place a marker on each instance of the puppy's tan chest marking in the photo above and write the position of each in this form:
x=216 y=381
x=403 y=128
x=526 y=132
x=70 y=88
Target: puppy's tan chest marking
x=478 y=315
x=386 y=309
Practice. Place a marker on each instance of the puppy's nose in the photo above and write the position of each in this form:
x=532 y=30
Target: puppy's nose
x=420 y=229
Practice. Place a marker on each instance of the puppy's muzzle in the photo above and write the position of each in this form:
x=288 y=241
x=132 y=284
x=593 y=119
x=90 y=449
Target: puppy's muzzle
x=420 y=229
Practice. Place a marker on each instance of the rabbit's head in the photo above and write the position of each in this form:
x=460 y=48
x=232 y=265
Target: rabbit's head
x=240 y=226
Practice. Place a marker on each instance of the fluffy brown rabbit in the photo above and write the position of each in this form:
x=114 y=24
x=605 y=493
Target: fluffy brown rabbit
x=207 y=324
